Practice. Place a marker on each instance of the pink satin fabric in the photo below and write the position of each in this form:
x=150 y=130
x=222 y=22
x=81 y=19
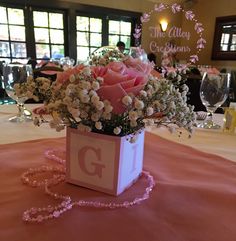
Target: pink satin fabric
x=194 y=198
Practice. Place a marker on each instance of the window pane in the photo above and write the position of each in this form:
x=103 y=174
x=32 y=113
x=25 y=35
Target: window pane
x=18 y=50
x=15 y=16
x=234 y=39
x=233 y=47
x=4 y=32
x=4 y=49
x=82 y=39
x=42 y=51
x=95 y=25
x=57 y=36
x=225 y=38
x=40 y=19
x=55 y=20
x=95 y=39
x=224 y=47
x=82 y=23
x=17 y=33
x=3 y=15
x=41 y=35
x=82 y=53
x=57 y=51
x=113 y=39
x=125 y=28
x=114 y=27
x=126 y=40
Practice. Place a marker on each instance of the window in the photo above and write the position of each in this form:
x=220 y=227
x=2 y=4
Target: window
x=48 y=34
x=119 y=31
x=89 y=36
x=12 y=35
x=224 y=46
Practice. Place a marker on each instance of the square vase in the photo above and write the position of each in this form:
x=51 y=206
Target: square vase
x=105 y=163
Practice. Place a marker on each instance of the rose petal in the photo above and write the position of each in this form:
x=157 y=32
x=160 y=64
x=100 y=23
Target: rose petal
x=114 y=94
x=128 y=84
x=135 y=90
x=111 y=77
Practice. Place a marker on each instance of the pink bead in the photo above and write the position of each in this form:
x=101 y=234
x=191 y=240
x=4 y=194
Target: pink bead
x=39 y=218
x=56 y=214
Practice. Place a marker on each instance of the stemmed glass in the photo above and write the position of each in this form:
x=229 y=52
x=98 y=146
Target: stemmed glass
x=214 y=91
x=17 y=74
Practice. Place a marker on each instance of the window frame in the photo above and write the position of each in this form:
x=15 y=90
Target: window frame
x=217 y=53
x=88 y=15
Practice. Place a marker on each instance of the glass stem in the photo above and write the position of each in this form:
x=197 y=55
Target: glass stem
x=210 y=116
x=20 y=110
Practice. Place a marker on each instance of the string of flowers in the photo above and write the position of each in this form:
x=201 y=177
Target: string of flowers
x=114 y=95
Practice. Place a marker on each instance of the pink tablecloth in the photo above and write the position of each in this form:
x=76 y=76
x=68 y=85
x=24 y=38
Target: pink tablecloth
x=194 y=199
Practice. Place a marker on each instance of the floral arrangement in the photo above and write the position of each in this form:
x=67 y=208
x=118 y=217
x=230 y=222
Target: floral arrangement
x=114 y=94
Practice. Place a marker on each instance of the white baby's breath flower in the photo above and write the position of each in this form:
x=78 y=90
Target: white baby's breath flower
x=74 y=112
x=98 y=125
x=95 y=98
x=100 y=80
x=95 y=117
x=92 y=93
x=99 y=105
x=85 y=99
x=179 y=78
x=133 y=115
x=102 y=61
x=150 y=111
x=139 y=104
x=95 y=85
x=143 y=93
x=83 y=114
x=133 y=123
x=108 y=108
x=67 y=100
x=86 y=71
x=127 y=100
x=172 y=74
x=150 y=122
x=106 y=116
x=117 y=130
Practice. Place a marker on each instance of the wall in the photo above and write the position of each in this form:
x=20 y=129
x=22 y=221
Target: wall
x=206 y=12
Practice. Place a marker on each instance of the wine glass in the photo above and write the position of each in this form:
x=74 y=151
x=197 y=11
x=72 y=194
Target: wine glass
x=17 y=74
x=214 y=91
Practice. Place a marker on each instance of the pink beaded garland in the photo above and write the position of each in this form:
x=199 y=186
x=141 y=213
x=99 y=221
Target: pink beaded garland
x=39 y=215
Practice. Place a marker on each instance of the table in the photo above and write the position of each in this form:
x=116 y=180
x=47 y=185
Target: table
x=210 y=141
x=194 y=198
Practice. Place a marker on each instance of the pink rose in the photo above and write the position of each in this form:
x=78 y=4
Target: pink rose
x=138 y=64
x=119 y=80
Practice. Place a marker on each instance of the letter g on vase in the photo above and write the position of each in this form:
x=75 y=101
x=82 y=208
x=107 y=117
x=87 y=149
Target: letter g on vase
x=96 y=165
